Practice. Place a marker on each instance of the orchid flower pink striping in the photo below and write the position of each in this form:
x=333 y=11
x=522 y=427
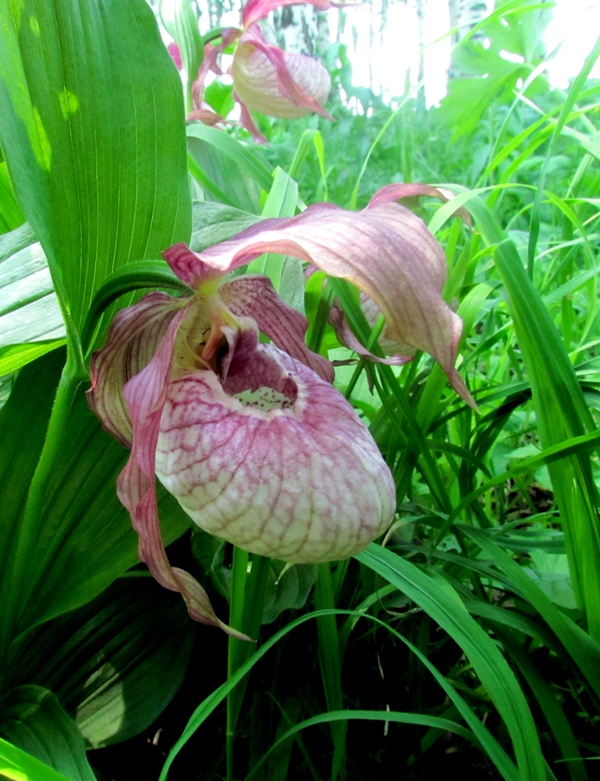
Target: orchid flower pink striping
x=265 y=78
x=253 y=440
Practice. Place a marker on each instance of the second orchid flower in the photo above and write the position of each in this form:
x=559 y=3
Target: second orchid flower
x=265 y=78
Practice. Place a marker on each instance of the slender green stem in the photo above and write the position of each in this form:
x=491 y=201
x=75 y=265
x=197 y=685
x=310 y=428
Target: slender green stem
x=248 y=591
x=331 y=665
x=239 y=572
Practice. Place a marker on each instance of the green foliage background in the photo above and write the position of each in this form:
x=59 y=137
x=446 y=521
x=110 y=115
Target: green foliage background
x=472 y=631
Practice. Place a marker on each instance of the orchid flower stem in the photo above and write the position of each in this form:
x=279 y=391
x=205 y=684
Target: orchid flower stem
x=331 y=665
x=248 y=591
x=239 y=573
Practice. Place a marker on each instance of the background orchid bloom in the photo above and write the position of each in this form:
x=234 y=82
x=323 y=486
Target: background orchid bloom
x=253 y=440
x=265 y=78
x=277 y=83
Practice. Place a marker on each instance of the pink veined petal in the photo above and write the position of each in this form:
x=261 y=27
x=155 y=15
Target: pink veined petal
x=347 y=338
x=209 y=63
x=372 y=313
x=146 y=394
x=385 y=250
x=396 y=192
x=256 y=297
x=258 y=9
x=134 y=335
x=189 y=267
x=275 y=460
x=247 y=122
x=277 y=83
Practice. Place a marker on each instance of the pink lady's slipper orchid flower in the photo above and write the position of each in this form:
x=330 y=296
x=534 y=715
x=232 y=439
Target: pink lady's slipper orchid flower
x=252 y=439
x=265 y=78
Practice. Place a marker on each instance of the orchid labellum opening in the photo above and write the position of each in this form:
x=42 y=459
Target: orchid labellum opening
x=252 y=439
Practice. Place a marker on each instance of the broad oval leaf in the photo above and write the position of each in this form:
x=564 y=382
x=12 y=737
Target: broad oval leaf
x=92 y=126
x=33 y=719
x=112 y=671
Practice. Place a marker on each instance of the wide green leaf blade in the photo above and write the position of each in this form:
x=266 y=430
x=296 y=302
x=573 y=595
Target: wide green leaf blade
x=114 y=664
x=11 y=215
x=15 y=356
x=18 y=765
x=91 y=122
x=29 y=310
x=33 y=719
x=84 y=539
x=226 y=170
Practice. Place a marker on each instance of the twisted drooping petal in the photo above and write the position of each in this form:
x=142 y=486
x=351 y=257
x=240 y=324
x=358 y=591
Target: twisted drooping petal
x=344 y=333
x=277 y=83
x=146 y=394
x=385 y=250
x=274 y=460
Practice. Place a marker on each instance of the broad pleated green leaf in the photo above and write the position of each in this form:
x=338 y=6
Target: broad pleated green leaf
x=84 y=539
x=213 y=223
x=11 y=215
x=18 y=765
x=225 y=169
x=15 y=356
x=114 y=664
x=33 y=719
x=91 y=122
x=29 y=310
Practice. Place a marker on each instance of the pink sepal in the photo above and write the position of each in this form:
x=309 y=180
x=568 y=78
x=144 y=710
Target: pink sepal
x=347 y=338
x=207 y=116
x=210 y=63
x=188 y=266
x=175 y=53
x=248 y=123
x=146 y=394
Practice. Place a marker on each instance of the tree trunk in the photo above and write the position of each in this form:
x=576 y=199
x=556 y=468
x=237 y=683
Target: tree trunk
x=465 y=14
x=302 y=29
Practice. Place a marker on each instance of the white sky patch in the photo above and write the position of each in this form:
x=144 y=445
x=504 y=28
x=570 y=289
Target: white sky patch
x=576 y=24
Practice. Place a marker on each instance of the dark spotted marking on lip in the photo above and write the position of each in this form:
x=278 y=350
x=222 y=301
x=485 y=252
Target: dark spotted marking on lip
x=264 y=398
